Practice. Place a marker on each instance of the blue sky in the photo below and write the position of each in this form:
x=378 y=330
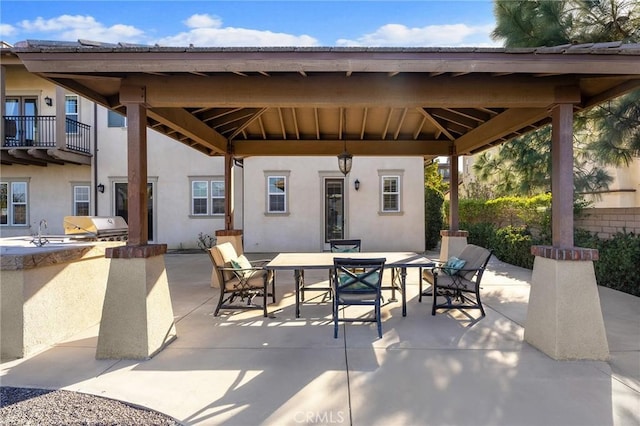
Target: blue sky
x=253 y=23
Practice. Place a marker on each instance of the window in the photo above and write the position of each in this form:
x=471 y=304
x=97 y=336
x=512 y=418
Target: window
x=276 y=194
x=13 y=203
x=116 y=120
x=81 y=200
x=71 y=113
x=390 y=193
x=207 y=197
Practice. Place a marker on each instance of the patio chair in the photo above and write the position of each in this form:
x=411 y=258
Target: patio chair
x=357 y=288
x=335 y=246
x=240 y=278
x=457 y=281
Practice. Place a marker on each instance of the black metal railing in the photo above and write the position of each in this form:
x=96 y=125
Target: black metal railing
x=40 y=132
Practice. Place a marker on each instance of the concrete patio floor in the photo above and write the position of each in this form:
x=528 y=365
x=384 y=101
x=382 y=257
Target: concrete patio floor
x=449 y=369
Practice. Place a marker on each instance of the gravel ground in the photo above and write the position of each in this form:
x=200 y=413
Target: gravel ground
x=35 y=407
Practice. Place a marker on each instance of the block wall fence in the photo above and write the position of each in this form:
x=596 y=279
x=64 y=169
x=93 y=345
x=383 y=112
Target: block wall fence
x=608 y=221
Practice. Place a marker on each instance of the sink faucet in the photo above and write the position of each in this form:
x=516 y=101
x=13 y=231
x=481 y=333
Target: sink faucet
x=39 y=241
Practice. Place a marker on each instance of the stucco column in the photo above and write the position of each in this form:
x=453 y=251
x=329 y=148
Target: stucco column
x=137 y=315
x=564 y=316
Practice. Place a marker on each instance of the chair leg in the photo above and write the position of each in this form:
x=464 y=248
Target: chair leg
x=335 y=317
x=378 y=319
x=435 y=298
x=215 y=313
x=478 y=300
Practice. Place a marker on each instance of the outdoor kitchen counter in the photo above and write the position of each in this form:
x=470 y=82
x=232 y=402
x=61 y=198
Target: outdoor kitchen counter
x=49 y=293
x=18 y=256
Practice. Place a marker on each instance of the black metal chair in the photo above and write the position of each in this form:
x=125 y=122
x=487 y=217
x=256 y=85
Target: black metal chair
x=335 y=246
x=357 y=282
x=458 y=286
x=241 y=279
x=345 y=246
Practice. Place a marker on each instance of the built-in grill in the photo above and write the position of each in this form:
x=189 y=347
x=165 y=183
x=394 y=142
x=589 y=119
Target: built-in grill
x=96 y=228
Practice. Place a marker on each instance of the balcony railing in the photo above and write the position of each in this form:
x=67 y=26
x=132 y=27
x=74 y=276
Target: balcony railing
x=40 y=132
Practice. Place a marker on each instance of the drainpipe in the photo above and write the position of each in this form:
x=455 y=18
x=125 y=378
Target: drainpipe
x=95 y=159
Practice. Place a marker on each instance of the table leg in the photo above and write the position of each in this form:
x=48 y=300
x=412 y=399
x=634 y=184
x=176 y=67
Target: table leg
x=403 y=285
x=394 y=279
x=298 y=276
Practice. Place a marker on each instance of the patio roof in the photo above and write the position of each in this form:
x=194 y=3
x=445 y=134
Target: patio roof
x=309 y=101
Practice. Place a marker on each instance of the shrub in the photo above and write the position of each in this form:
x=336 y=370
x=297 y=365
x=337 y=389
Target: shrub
x=205 y=241
x=433 y=217
x=619 y=264
x=512 y=244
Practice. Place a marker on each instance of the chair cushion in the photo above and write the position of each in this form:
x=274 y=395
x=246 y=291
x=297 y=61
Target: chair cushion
x=453 y=265
x=455 y=282
x=255 y=281
x=222 y=255
x=242 y=264
x=475 y=256
x=372 y=279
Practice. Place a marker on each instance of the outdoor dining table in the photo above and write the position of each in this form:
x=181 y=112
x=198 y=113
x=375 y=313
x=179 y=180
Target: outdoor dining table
x=396 y=261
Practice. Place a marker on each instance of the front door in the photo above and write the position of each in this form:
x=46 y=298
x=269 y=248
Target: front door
x=122 y=208
x=333 y=209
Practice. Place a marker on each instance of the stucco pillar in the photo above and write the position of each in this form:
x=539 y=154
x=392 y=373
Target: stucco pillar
x=564 y=317
x=137 y=315
x=452 y=243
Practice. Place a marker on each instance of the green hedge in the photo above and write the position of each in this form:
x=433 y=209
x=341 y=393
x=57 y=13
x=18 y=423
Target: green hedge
x=619 y=264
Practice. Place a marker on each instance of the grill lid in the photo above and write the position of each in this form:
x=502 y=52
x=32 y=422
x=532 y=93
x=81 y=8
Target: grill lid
x=98 y=226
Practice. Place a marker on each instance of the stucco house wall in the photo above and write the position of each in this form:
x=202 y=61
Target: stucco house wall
x=301 y=227
x=170 y=166
x=50 y=195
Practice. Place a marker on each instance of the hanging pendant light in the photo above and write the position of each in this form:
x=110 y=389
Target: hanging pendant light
x=345 y=159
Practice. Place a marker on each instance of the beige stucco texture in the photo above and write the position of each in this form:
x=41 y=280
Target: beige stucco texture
x=564 y=319
x=137 y=317
x=46 y=303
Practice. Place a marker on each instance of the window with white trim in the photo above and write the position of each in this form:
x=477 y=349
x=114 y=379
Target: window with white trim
x=71 y=113
x=13 y=203
x=276 y=194
x=81 y=200
x=207 y=197
x=390 y=194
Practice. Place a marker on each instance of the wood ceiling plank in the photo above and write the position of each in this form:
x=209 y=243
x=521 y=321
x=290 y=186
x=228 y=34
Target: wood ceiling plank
x=246 y=148
x=182 y=121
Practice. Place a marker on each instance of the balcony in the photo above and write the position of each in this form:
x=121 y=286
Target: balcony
x=32 y=140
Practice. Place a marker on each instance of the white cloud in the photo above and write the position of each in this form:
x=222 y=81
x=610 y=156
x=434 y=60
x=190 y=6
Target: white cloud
x=71 y=28
x=203 y=21
x=209 y=31
x=7 y=30
x=230 y=36
x=432 y=35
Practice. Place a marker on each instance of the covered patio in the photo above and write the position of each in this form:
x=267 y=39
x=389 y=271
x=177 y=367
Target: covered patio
x=241 y=368
x=428 y=102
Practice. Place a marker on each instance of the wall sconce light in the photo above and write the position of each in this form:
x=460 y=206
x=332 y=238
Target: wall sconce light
x=356 y=184
x=48 y=101
x=100 y=188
